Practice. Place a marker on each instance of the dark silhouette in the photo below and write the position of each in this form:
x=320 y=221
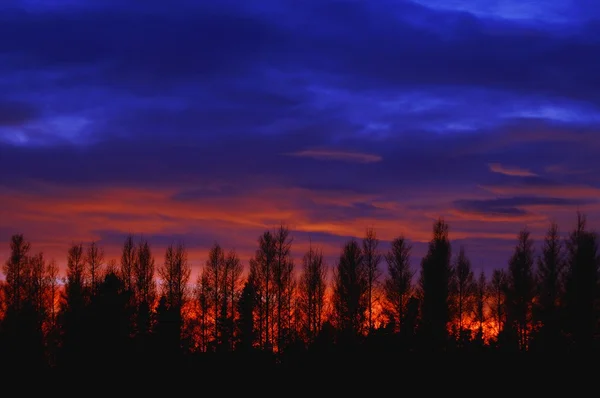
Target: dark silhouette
x=398 y=285
x=350 y=300
x=121 y=318
x=549 y=286
x=434 y=284
x=463 y=289
x=312 y=293
x=520 y=293
x=581 y=284
x=372 y=258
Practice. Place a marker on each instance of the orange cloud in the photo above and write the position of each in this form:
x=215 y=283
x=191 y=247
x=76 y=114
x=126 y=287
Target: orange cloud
x=510 y=171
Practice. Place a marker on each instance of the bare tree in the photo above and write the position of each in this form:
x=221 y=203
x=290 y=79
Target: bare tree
x=497 y=291
x=234 y=272
x=95 y=261
x=76 y=267
x=143 y=275
x=175 y=274
x=262 y=265
x=128 y=259
x=282 y=277
x=53 y=289
x=372 y=258
x=202 y=292
x=37 y=286
x=464 y=288
x=312 y=292
x=14 y=270
x=215 y=266
x=398 y=284
x=481 y=297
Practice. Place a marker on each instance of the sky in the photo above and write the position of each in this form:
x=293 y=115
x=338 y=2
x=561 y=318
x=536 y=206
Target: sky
x=213 y=121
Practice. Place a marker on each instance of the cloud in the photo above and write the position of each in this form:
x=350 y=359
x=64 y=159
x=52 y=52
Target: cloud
x=510 y=171
x=327 y=154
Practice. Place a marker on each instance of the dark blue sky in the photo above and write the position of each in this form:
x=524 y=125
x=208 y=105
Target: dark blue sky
x=213 y=120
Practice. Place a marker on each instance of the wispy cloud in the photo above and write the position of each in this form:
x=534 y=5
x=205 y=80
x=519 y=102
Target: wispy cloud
x=328 y=154
x=511 y=171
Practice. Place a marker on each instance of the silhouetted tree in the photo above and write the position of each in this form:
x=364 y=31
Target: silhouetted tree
x=37 y=286
x=246 y=335
x=21 y=335
x=550 y=267
x=398 y=284
x=434 y=284
x=312 y=293
x=144 y=287
x=234 y=270
x=464 y=291
x=52 y=297
x=520 y=292
x=15 y=270
x=350 y=292
x=262 y=267
x=74 y=319
x=175 y=274
x=282 y=279
x=202 y=292
x=481 y=297
x=215 y=268
x=372 y=258
x=128 y=259
x=95 y=261
x=581 y=282
x=497 y=292
x=109 y=314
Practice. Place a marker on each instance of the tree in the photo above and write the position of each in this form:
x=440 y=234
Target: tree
x=464 y=289
x=481 y=297
x=372 y=258
x=245 y=323
x=144 y=286
x=550 y=268
x=350 y=300
x=234 y=270
x=398 y=284
x=73 y=315
x=215 y=267
x=128 y=258
x=497 y=292
x=312 y=292
x=202 y=292
x=175 y=274
x=53 y=289
x=581 y=281
x=21 y=335
x=95 y=261
x=434 y=285
x=37 y=286
x=282 y=278
x=521 y=288
x=15 y=269
x=262 y=268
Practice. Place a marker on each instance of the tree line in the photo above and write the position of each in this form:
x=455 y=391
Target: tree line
x=135 y=311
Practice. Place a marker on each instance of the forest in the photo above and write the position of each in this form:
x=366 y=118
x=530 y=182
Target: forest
x=142 y=313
